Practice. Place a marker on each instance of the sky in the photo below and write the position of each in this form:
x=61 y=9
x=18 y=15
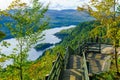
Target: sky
x=54 y=4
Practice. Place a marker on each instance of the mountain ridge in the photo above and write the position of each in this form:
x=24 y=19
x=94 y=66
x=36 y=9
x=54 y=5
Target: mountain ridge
x=58 y=18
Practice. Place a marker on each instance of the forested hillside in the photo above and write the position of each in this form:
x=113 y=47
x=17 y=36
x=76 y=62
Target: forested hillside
x=71 y=38
x=56 y=19
x=43 y=65
x=98 y=21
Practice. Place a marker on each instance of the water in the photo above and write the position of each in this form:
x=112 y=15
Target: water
x=33 y=54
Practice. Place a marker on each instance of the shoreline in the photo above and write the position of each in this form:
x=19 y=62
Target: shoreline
x=33 y=54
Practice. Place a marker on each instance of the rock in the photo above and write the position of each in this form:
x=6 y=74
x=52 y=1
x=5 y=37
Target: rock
x=108 y=50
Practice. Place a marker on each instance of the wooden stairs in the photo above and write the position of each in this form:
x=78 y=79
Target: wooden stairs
x=74 y=71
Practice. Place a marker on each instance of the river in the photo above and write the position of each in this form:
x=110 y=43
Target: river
x=33 y=54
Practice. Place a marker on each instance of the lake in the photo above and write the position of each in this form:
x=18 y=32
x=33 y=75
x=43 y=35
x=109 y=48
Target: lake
x=33 y=54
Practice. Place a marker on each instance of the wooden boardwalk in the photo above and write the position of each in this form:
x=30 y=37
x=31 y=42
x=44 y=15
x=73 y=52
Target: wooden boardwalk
x=74 y=71
x=97 y=63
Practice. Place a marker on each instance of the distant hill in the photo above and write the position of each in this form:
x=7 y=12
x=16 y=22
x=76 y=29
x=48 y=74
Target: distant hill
x=58 y=18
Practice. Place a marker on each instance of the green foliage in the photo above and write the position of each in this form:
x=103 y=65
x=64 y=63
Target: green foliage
x=42 y=46
x=119 y=60
x=27 y=32
x=29 y=24
x=2 y=35
x=78 y=34
x=105 y=12
x=41 y=67
x=104 y=76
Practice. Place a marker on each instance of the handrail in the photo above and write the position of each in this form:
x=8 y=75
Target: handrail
x=61 y=62
x=85 y=67
x=81 y=50
x=57 y=68
x=66 y=57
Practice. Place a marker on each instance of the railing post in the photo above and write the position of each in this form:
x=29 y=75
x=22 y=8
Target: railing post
x=57 y=68
x=85 y=67
x=46 y=77
x=58 y=54
x=80 y=51
x=78 y=47
x=99 y=47
x=62 y=69
x=53 y=63
x=66 y=58
x=87 y=62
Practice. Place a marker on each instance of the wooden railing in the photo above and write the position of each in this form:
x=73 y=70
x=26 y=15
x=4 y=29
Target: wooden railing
x=61 y=62
x=66 y=57
x=82 y=48
x=86 y=73
x=82 y=51
x=58 y=66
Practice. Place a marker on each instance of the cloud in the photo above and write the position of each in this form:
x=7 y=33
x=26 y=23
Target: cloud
x=54 y=4
x=64 y=4
x=4 y=4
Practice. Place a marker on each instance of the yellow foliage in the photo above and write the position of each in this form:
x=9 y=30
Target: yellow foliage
x=16 y=4
x=3 y=59
x=39 y=69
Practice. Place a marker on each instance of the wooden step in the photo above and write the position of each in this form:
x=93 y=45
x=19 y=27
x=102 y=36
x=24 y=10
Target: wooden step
x=74 y=62
x=73 y=74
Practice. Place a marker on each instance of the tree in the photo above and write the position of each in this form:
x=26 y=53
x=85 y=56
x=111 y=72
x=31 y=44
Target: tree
x=105 y=12
x=28 y=24
x=2 y=34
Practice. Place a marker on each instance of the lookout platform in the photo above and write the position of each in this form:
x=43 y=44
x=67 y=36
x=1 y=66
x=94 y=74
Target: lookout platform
x=97 y=62
x=81 y=63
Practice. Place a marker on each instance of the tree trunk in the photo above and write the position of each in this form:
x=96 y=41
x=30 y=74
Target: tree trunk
x=116 y=59
x=115 y=51
x=21 y=75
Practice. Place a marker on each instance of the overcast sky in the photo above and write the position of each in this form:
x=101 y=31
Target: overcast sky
x=54 y=4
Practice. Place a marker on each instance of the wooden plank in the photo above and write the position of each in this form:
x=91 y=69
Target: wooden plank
x=72 y=77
